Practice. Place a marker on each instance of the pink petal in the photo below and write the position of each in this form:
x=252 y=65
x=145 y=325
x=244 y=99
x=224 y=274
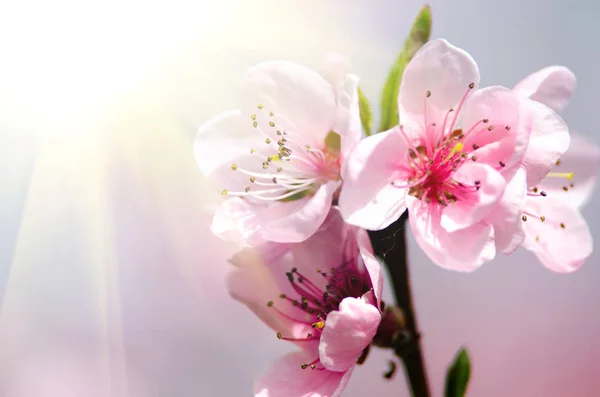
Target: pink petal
x=297 y=95
x=345 y=88
x=497 y=122
x=371 y=263
x=442 y=69
x=561 y=250
x=506 y=217
x=552 y=86
x=324 y=249
x=348 y=123
x=225 y=140
x=548 y=141
x=473 y=206
x=464 y=250
x=347 y=332
x=235 y=221
x=583 y=159
x=295 y=221
x=367 y=198
x=286 y=378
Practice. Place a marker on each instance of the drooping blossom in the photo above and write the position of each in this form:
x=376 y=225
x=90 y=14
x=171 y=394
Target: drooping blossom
x=454 y=162
x=323 y=295
x=278 y=157
x=554 y=228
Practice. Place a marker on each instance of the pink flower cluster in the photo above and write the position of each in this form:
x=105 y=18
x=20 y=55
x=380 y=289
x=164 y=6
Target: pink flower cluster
x=481 y=171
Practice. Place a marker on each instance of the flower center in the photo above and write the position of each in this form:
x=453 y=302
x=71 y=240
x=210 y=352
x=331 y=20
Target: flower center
x=286 y=168
x=311 y=299
x=442 y=149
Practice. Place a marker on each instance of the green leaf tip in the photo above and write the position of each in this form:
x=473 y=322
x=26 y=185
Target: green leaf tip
x=457 y=377
x=366 y=116
x=418 y=36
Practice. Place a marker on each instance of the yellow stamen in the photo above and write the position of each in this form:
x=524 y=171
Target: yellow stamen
x=319 y=325
x=568 y=175
x=457 y=148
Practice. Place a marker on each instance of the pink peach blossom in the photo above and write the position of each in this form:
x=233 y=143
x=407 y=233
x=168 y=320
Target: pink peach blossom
x=323 y=295
x=454 y=162
x=555 y=229
x=278 y=157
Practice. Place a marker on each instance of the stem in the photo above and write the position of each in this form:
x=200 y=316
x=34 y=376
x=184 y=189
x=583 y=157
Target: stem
x=390 y=244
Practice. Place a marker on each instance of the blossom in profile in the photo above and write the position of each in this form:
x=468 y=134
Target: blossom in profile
x=554 y=228
x=277 y=158
x=323 y=295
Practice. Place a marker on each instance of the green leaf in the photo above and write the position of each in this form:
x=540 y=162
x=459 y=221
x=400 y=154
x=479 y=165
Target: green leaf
x=366 y=115
x=457 y=377
x=419 y=35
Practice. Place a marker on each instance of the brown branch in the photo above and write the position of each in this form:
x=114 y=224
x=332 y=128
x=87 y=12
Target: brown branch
x=390 y=245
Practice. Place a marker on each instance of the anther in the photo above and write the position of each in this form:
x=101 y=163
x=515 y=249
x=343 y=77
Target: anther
x=260 y=106
x=313 y=366
x=502 y=164
x=474 y=158
x=224 y=192
x=557 y=162
x=475 y=146
x=535 y=189
x=477 y=182
x=524 y=217
x=268 y=140
x=252 y=150
x=491 y=127
x=485 y=120
x=247 y=189
x=562 y=225
x=471 y=85
x=252 y=179
x=507 y=128
x=282 y=296
x=543 y=193
x=572 y=185
x=234 y=167
x=428 y=94
x=279 y=336
x=537 y=239
x=279 y=169
x=304 y=366
x=253 y=117
x=566 y=189
x=270 y=303
x=319 y=324
x=255 y=124
x=272 y=124
x=274 y=179
x=542 y=218
x=294 y=270
x=278 y=132
x=271 y=114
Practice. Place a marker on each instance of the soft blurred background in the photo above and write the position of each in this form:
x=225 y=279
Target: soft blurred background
x=111 y=283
